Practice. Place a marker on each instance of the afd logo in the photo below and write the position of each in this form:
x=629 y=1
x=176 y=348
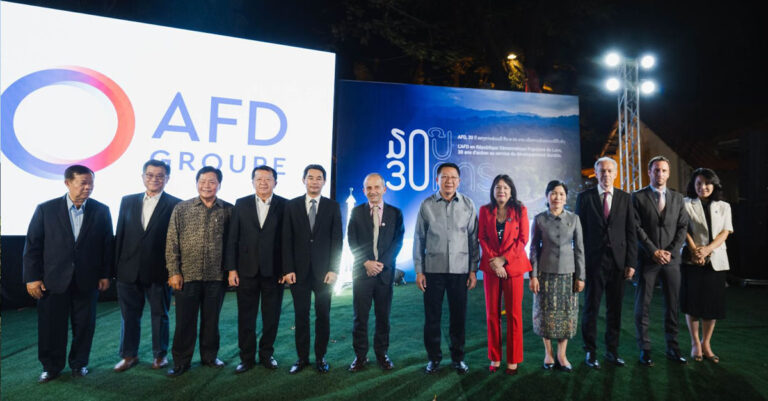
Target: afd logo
x=77 y=76
x=54 y=169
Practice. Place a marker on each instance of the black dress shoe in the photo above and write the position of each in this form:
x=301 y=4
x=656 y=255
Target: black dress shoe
x=611 y=357
x=177 y=371
x=591 y=360
x=547 y=366
x=80 y=372
x=358 y=364
x=298 y=366
x=243 y=367
x=461 y=367
x=45 y=377
x=674 y=355
x=384 y=362
x=269 y=363
x=645 y=358
x=216 y=363
x=432 y=367
x=322 y=366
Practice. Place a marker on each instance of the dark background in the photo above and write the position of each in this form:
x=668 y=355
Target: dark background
x=711 y=108
x=711 y=58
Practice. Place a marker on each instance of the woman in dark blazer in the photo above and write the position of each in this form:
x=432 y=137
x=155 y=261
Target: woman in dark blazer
x=705 y=261
x=557 y=257
x=503 y=233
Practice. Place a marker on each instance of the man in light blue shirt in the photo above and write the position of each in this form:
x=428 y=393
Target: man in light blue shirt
x=68 y=259
x=446 y=256
x=75 y=215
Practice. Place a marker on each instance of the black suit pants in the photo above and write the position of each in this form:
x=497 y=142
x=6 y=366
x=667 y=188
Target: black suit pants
x=367 y=290
x=54 y=314
x=455 y=285
x=250 y=290
x=603 y=278
x=131 y=297
x=198 y=297
x=670 y=284
x=302 y=300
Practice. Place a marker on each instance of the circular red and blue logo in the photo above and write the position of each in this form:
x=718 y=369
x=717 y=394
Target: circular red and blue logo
x=16 y=92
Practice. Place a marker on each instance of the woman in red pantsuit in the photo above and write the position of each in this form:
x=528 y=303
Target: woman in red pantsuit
x=503 y=232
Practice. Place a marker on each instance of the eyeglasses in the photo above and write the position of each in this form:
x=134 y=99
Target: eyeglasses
x=448 y=178
x=152 y=177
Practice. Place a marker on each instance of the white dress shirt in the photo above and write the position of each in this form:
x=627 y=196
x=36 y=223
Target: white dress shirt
x=601 y=191
x=308 y=203
x=148 y=207
x=262 y=209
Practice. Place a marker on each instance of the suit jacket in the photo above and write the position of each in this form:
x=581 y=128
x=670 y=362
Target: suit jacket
x=656 y=230
x=253 y=250
x=617 y=234
x=720 y=215
x=557 y=245
x=52 y=255
x=390 y=241
x=318 y=249
x=140 y=253
x=512 y=246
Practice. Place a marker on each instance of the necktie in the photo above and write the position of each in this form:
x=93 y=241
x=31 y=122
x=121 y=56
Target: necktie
x=312 y=214
x=662 y=201
x=606 y=209
x=376 y=223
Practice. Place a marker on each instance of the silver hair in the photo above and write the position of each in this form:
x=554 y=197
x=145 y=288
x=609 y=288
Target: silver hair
x=606 y=159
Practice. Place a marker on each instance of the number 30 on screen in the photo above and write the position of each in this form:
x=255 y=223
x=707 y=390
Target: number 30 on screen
x=397 y=168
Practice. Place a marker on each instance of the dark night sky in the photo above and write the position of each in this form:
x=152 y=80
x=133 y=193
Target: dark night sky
x=711 y=61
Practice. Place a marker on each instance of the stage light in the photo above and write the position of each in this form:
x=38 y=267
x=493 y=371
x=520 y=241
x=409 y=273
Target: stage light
x=612 y=59
x=511 y=56
x=612 y=84
x=647 y=61
x=647 y=87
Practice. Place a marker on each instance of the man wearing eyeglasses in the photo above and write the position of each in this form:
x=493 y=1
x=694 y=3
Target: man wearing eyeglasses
x=446 y=255
x=142 y=227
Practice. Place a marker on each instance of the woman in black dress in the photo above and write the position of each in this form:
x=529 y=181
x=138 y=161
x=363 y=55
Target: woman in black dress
x=705 y=261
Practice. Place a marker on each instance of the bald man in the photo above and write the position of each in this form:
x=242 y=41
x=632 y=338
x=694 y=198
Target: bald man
x=375 y=236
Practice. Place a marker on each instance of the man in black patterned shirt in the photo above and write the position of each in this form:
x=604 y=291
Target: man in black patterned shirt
x=193 y=254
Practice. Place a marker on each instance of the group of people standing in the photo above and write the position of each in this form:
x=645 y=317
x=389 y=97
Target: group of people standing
x=264 y=242
x=612 y=236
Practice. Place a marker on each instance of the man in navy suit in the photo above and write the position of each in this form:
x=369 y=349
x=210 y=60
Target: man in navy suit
x=254 y=260
x=375 y=236
x=142 y=227
x=312 y=242
x=68 y=256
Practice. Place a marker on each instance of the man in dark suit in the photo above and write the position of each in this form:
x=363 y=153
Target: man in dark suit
x=375 y=236
x=254 y=260
x=662 y=225
x=68 y=256
x=142 y=227
x=311 y=254
x=610 y=243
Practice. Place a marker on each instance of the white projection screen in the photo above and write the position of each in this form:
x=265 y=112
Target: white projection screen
x=111 y=94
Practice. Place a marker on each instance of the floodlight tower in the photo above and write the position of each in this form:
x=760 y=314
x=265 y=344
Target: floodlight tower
x=628 y=84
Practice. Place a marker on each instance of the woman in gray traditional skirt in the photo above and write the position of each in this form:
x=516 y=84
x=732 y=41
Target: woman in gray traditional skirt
x=557 y=258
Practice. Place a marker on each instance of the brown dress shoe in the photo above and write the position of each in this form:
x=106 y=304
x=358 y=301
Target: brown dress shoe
x=126 y=363
x=160 y=363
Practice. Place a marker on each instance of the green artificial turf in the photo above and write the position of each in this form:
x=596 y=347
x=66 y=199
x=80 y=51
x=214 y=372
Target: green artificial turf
x=739 y=341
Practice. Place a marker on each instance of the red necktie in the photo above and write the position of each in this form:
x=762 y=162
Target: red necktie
x=606 y=209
